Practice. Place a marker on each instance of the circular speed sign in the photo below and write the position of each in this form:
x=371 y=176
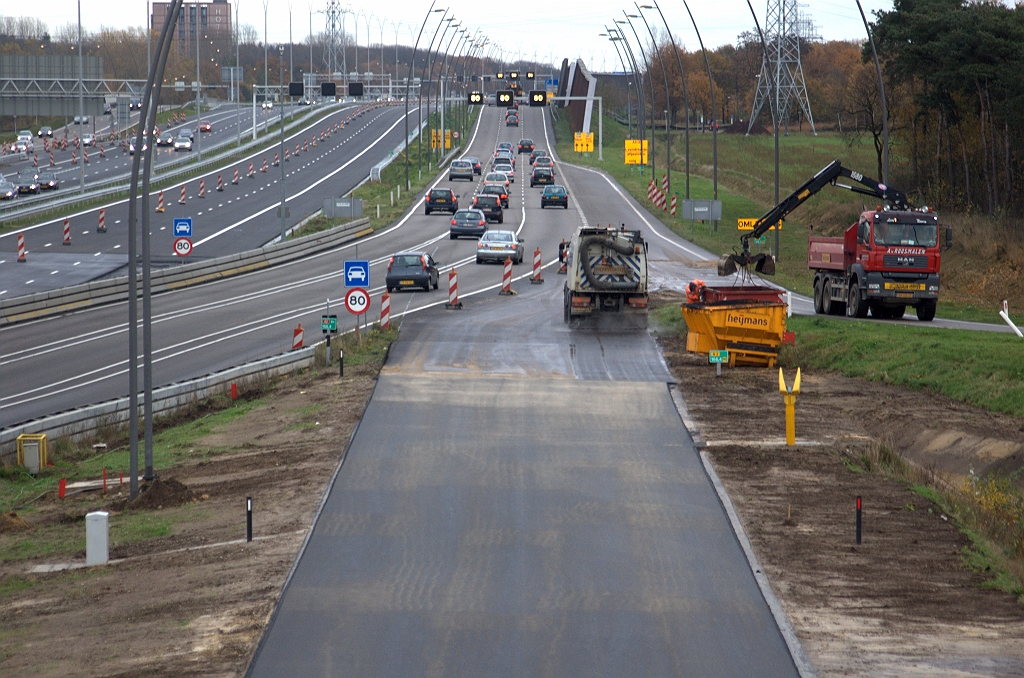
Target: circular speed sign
x=357 y=300
x=455 y=134
x=182 y=247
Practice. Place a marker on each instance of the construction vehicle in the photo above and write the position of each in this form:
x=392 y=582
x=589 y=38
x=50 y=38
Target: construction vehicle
x=885 y=261
x=606 y=274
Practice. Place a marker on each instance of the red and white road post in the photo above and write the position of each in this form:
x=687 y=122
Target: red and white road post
x=220 y=182
x=160 y=202
x=181 y=200
x=21 y=248
x=453 y=290
x=264 y=167
x=297 y=338
x=385 y=311
x=506 y=279
x=67 y=231
x=252 y=172
x=235 y=179
x=202 y=188
x=536 y=279
x=101 y=225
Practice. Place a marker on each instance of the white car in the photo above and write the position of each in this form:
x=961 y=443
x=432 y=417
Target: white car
x=23 y=146
x=88 y=140
x=267 y=105
x=131 y=146
x=182 y=143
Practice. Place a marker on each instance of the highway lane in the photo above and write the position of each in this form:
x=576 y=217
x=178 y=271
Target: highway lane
x=225 y=323
x=241 y=217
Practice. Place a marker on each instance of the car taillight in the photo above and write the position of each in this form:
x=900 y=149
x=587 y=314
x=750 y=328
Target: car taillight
x=423 y=260
x=504 y=196
x=453 y=222
x=480 y=245
x=483 y=222
x=390 y=261
x=638 y=302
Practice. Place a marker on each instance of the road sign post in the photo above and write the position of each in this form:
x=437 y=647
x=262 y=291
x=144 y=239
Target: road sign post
x=716 y=358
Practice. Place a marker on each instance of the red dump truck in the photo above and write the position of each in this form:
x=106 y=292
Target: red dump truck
x=887 y=260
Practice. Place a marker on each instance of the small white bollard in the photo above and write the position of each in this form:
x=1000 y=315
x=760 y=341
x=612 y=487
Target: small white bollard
x=97 y=542
x=1005 y=315
x=378 y=211
x=393 y=198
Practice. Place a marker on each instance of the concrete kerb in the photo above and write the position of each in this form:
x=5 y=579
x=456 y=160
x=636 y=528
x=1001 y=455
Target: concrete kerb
x=167 y=400
x=95 y=293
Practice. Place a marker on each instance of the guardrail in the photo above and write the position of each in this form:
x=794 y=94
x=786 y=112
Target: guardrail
x=379 y=167
x=167 y=400
x=87 y=295
x=46 y=203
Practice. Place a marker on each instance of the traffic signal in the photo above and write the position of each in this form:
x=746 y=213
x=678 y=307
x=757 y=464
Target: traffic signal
x=476 y=99
x=499 y=76
x=355 y=89
x=328 y=89
x=514 y=75
x=506 y=98
x=538 y=97
x=530 y=75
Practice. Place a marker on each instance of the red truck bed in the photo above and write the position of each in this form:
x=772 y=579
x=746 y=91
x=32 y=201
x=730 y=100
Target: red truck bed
x=834 y=254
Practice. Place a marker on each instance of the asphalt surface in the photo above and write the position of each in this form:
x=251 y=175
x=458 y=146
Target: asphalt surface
x=239 y=218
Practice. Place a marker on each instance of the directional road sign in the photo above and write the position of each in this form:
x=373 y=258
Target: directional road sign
x=357 y=300
x=357 y=273
x=183 y=227
x=718 y=357
x=329 y=323
x=182 y=247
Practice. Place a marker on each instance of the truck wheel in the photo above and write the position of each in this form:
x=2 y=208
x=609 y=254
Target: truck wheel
x=926 y=310
x=826 y=297
x=855 y=307
x=817 y=296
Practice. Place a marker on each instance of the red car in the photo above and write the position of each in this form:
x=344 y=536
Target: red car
x=205 y=126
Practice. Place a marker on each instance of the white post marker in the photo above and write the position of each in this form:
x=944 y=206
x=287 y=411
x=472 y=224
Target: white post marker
x=1005 y=315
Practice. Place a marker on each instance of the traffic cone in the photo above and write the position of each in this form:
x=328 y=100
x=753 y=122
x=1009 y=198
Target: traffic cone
x=67 y=231
x=220 y=183
x=536 y=279
x=181 y=200
x=101 y=225
x=21 y=248
x=160 y=202
x=202 y=188
x=453 y=290
x=506 y=279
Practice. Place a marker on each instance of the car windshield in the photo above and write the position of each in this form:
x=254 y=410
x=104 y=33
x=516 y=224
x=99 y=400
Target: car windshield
x=542 y=171
x=6 y=186
x=918 y=235
x=408 y=260
x=461 y=165
x=439 y=194
x=527 y=142
x=498 y=236
x=495 y=176
x=27 y=175
x=503 y=168
x=554 y=190
x=467 y=215
x=47 y=177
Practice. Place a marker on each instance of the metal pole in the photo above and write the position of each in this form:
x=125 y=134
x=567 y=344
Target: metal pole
x=284 y=195
x=265 y=5
x=881 y=92
x=775 y=116
x=147 y=297
x=199 y=91
x=668 y=100
x=408 y=82
x=629 y=93
x=638 y=82
x=419 y=118
x=714 y=128
x=81 y=92
x=650 y=82
x=238 y=84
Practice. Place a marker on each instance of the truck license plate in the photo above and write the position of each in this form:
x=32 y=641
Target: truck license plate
x=904 y=295
x=904 y=286
x=610 y=270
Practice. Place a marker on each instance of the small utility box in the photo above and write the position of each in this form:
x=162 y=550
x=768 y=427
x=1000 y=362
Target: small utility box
x=351 y=208
x=97 y=543
x=32 y=451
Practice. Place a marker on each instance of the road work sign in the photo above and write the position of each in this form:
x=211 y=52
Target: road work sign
x=583 y=142
x=357 y=273
x=636 y=151
x=748 y=225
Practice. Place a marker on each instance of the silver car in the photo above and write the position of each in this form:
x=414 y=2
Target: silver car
x=460 y=169
x=506 y=169
x=88 y=140
x=499 y=246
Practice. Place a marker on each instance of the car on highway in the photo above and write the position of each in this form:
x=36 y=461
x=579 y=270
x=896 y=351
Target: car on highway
x=506 y=169
x=81 y=120
x=512 y=121
x=526 y=145
x=554 y=195
x=499 y=246
x=88 y=139
x=187 y=132
x=475 y=162
x=441 y=200
x=165 y=139
x=536 y=153
x=131 y=144
x=205 y=126
x=503 y=146
x=411 y=269
x=468 y=222
x=48 y=181
x=135 y=104
x=542 y=175
x=461 y=169
x=46 y=131
x=505 y=156
x=28 y=181
x=545 y=161
x=267 y=105
x=498 y=190
x=490 y=205
x=22 y=146
x=182 y=143
x=496 y=178
x=8 y=190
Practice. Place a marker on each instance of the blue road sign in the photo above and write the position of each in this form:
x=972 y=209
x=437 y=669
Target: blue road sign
x=183 y=227
x=551 y=82
x=357 y=273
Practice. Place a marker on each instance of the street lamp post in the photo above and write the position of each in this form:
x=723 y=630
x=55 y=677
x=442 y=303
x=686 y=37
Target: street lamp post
x=774 y=104
x=647 y=70
x=284 y=228
x=668 y=99
x=408 y=82
x=714 y=122
x=629 y=85
x=428 y=65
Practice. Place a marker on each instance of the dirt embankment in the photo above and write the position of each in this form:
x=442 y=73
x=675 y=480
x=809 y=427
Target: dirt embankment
x=196 y=601
x=904 y=602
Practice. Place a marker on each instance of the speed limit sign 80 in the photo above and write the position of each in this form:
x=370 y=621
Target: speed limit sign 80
x=357 y=300
x=182 y=247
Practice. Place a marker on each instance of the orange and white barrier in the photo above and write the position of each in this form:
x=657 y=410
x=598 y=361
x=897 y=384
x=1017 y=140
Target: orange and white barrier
x=202 y=188
x=235 y=180
x=672 y=211
x=276 y=160
x=506 y=278
x=296 y=149
x=67 y=231
x=52 y=163
x=305 y=146
x=252 y=172
x=286 y=153
x=74 y=158
x=536 y=279
x=220 y=182
x=181 y=200
x=385 y=311
x=453 y=290
x=264 y=167
x=101 y=225
x=102 y=154
x=21 y=248
x=35 y=160
x=160 y=202
x=297 y=338
x=85 y=155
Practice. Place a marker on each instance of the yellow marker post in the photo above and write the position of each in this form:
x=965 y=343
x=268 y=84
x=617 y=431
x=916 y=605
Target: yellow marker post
x=789 y=396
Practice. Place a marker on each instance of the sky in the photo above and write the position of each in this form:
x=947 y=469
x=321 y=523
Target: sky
x=529 y=29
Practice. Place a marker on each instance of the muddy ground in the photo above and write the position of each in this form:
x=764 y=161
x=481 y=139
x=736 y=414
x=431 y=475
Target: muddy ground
x=195 y=602
x=904 y=602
